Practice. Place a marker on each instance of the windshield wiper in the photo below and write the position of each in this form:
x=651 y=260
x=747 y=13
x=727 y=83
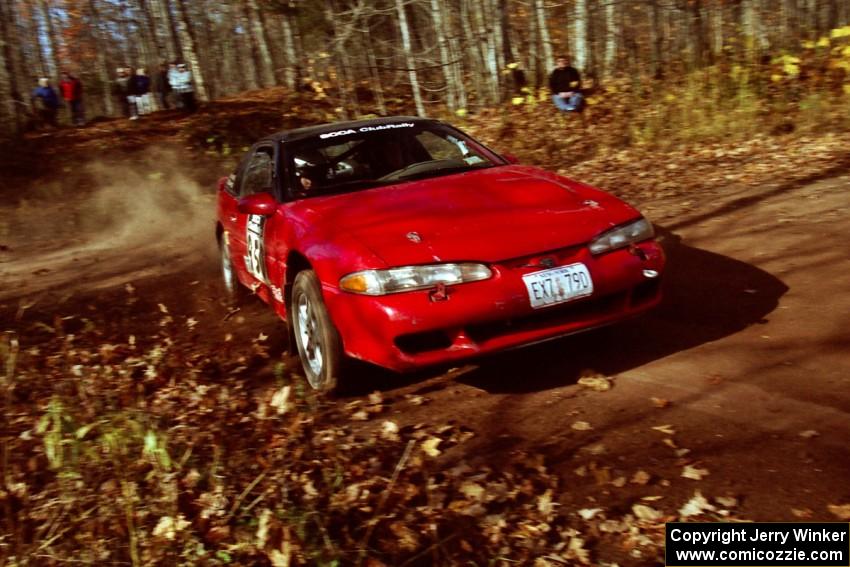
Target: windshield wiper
x=351 y=185
x=441 y=171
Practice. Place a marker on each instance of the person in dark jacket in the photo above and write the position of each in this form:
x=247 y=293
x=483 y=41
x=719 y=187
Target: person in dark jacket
x=162 y=87
x=139 y=87
x=72 y=91
x=46 y=102
x=565 y=84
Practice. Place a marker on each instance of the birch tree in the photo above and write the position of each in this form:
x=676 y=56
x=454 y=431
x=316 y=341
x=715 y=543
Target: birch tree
x=258 y=28
x=409 y=60
x=190 y=54
x=543 y=30
x=580 y=25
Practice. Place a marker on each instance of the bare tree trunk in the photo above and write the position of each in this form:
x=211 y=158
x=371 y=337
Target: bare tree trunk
x=697 y=35
x=580 y=47
x=718 y=23
x=409 y=61
x=611 y=32
x=542 y=27
x=53 y=58
x=230 y=78
x=456 y=55
x=266 y=64
x=189 y=52
x=166 y=28
x=290 y=75
x=445 y=58
x=8 y=121
x=102 y=71
x=754 y=32
x=13 y=61
x=375 y=78
x=487 y=50
x=533 y=61
x=656 y=39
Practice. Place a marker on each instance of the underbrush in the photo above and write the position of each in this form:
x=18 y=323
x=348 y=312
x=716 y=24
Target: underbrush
x=155 y=450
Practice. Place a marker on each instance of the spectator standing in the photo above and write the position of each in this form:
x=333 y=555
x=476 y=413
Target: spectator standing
x=565 y=84
x=172 y=81
x=161 y=86
x=46 y=102
x=72 y=91
x=140 y=88
x=184 y=89
x=121 y=91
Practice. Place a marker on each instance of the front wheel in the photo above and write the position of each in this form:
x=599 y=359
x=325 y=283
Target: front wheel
x=318 y=342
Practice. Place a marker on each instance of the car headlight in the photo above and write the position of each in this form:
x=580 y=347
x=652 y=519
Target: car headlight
x=409 y=278
x=622 y=236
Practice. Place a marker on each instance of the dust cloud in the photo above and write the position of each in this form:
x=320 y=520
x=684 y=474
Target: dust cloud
x=105 y=224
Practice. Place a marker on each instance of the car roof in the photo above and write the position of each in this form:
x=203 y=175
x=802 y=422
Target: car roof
x=313 y=131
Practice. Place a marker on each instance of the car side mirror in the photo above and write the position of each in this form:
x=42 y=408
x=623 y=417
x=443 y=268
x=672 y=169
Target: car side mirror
x=511 y=158
x=263 y=204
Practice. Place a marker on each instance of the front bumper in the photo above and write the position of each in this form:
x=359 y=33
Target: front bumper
x=410 y=330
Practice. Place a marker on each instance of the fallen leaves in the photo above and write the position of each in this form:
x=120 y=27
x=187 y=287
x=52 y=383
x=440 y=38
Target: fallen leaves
x=665 y=429
x=429 y=446
x=694 y=473
x=646 y=513
x=840 y=511
x=595 y=381
x=696 y=506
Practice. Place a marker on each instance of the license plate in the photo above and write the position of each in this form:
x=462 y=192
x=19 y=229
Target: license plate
x=558 y=285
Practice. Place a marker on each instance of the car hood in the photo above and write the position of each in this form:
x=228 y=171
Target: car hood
x=489 y=215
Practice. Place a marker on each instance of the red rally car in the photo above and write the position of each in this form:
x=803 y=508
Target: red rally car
x=404 y=242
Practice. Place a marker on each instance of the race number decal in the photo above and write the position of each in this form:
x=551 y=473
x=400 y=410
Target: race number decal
x=255 y=260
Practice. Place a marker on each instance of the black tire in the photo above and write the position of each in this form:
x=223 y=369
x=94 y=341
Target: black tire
x=316 y=338
x=234 y=291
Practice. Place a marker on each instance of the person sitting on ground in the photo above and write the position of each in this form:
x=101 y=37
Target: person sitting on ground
x=139 y=88
x=72 y=92
x=46 y=102
x=565 y=84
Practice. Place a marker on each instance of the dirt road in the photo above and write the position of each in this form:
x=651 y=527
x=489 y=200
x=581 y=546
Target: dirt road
x=742 y=374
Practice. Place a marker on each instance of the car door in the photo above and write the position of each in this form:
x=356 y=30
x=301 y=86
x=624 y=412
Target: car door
x=246 y=235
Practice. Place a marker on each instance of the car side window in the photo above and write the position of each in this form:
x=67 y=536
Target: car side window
x=258 y=173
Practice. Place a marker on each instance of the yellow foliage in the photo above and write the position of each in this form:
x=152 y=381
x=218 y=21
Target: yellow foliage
x=513 y=65
x=517 y=100
x=840 y=32
x=461 y=112
x=776 y=78
x=823 y=42
x=669 y=97
x=846 y=89
x=791 y=69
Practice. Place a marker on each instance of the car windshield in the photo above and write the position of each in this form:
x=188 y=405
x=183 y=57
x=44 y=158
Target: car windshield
x=371 y=156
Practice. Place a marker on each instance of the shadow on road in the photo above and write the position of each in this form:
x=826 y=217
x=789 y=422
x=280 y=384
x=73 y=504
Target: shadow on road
x=706 y=297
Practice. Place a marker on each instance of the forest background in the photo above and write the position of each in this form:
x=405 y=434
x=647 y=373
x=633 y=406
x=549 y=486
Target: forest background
x=671 y=69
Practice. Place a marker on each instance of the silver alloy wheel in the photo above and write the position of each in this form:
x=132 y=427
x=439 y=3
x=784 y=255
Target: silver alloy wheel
x=227 y=274
x=309 y=341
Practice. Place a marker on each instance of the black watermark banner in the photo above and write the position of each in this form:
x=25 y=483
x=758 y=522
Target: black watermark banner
x=762 y=544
